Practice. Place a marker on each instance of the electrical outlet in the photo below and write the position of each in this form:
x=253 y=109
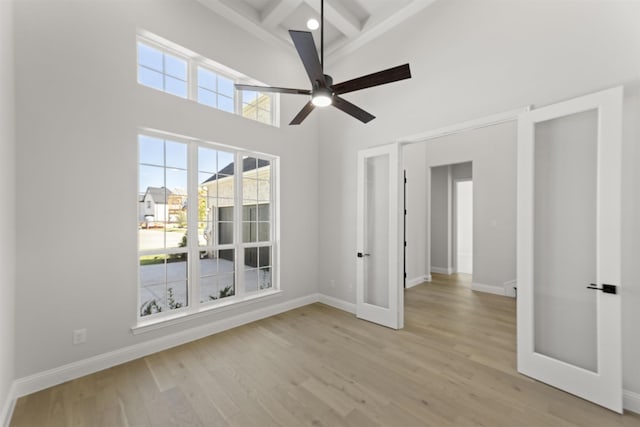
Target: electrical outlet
x=79 y=336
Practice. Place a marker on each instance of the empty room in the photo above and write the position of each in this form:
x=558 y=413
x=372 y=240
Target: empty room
x=319 y=212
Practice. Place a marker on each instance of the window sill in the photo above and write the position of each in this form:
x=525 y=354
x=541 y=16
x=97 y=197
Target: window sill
x=177 y=318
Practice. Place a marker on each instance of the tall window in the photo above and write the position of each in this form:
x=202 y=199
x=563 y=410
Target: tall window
x=175 y=70
x=215 y=250
x=163 y=227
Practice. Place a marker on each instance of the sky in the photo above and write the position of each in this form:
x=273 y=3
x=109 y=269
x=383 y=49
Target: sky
x=163 y=163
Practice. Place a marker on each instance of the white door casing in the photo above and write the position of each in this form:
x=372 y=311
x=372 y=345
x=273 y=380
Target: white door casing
x=599 y=378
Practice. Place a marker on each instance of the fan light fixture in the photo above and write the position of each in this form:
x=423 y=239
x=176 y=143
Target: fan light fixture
x=313 y=24
x=322 y=97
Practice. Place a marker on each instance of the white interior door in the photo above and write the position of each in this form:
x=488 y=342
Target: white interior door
x=379 y=288
x=569 y=207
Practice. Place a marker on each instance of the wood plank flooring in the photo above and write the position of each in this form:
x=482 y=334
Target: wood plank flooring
x=452 y=365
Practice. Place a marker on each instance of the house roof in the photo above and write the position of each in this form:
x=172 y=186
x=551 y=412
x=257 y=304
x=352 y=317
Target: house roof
x=159 y=194
x=248 y=163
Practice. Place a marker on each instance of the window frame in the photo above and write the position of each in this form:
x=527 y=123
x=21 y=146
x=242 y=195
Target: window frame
x=194 y=61
x=195 y=308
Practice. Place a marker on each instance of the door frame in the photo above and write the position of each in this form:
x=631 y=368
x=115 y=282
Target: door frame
x=461 y=127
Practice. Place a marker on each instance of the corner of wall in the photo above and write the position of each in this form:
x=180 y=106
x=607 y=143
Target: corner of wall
x=7 y=214
x=6 y=411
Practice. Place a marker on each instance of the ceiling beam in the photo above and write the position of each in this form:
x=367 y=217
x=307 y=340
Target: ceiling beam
x=376 y=27
x=246 y=17
x=339 y=16
x=278 y=12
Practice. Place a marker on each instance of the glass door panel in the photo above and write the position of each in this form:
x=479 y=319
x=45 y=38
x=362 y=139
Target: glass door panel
x=565 y=184
x=376 y=283
x=379 y=291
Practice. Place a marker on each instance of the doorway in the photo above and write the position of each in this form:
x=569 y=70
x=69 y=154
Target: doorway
x=451 y=219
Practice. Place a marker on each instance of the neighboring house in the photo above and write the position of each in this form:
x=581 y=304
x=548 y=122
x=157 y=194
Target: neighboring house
x=159 y=204
x=256 y=203
x=141 y=208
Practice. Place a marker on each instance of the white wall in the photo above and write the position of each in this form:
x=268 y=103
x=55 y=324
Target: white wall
x=7 y=209
x=78 y=111
x=440 y=218
x=469 y=60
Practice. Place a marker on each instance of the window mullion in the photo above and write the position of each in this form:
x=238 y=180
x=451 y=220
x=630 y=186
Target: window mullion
x=192 y=84
x=193 y=271
x=238 y=174
x=237 y=100
x=274 y=224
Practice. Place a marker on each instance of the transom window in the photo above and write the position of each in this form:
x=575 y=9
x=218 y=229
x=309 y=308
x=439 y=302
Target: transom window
x=256 y=105
x=216 y=250
x=170 y=68
x=162 y=71
x=215 y=90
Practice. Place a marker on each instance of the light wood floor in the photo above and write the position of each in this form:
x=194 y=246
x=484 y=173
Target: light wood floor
x=452 y=365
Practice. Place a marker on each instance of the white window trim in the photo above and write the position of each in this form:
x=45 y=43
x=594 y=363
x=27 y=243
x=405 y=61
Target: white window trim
x=195 y=308
x=177 y=318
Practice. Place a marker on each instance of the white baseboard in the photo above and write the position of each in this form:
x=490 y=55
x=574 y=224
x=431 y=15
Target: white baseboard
x=8 y=406
x=506 y=290
x=340 y=304
x=51 y=377
x=491 y=289
x=417 y=280
x=440 y=270
x=428 y=278
x=510 y=288
x=631 y=401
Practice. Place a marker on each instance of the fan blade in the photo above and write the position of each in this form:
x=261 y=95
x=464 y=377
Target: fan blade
x=308 y=108
x=303 y=40
x=352 y=110
x=273 y=89
x=391 y=75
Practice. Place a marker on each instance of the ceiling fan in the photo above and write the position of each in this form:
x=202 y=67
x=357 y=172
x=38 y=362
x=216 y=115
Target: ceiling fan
x=324 y=92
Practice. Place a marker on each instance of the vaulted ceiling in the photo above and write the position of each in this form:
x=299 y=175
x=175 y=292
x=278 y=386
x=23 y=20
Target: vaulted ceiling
x=349 y=24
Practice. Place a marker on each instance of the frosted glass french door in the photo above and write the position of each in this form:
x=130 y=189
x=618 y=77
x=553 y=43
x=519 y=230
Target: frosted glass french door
x=569 y=325
x=379 y=291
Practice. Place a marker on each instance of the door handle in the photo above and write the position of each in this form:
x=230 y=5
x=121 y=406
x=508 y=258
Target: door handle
x=607 y=289
x=360 y=255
